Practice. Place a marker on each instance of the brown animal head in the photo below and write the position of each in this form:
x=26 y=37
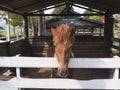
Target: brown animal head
x=63 y=37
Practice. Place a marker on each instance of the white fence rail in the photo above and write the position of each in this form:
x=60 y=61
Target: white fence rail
x=55 y=83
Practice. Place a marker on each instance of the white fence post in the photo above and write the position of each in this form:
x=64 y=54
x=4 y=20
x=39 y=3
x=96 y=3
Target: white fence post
x=116 y=74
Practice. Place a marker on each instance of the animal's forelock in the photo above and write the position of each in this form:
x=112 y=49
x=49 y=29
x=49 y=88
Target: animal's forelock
x=64 y=33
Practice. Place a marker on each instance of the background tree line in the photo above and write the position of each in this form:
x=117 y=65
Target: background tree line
x=14 y=20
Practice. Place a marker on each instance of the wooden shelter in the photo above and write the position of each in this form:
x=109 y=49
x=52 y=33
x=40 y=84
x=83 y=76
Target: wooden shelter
x=100 y=7
x=86 y=45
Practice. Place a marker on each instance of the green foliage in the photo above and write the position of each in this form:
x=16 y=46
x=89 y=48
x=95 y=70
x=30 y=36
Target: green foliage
x=88 y=12
x=2 y=35
x=2 y=14
x=57 y=10
x=34 y=20
x=48 y=18
x=91 y=17
x=94 y=18
x=15 y=20
x=11 y=35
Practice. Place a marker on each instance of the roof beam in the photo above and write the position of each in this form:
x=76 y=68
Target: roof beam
x=65 y=14
x=95 y=5
x=41 y=5
x=4 y=1
x=9 y=10
x=31 y=4
x=48 y=8
x=106 y=5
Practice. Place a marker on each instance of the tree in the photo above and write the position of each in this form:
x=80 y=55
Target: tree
x=32 y=24
x=87 y=12
x=48 y=18
x=2 y=14
x=57 y=10
x=97 y=18
x=15 y=20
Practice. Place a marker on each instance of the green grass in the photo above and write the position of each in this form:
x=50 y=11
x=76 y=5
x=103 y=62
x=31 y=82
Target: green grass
x=2 y=35
x=11 y=34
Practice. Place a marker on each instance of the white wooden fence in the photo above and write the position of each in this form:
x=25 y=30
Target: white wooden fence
x=55 y=83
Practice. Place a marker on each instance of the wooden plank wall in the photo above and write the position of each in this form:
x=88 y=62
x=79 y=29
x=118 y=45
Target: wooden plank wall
x=12 y=48
x=4 y=48
x=17 y=47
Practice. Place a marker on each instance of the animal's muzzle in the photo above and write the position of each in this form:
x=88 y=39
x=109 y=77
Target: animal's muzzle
x=63 y=72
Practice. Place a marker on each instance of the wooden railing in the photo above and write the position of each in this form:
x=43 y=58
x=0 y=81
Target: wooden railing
x=13 y=38
x=56 y=83
x=116 y=46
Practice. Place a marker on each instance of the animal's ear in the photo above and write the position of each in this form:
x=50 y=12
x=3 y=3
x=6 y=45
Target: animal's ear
x=54 y=32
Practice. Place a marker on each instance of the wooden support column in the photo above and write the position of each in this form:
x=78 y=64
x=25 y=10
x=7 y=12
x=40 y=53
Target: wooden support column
x=26 y=34
x=100 y=31
x=25 y=26
x=68 y=6
x=108 y=33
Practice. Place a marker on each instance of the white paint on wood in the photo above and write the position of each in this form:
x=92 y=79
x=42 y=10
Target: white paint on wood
x=4 y=85
x=8 y=88
x=64 y=83
x=39 y=62
x=18 y=72
x=116 y=73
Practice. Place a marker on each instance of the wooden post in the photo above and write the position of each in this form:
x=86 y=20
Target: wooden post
x=100 y=31
x=68 y=6
x=44 y=25
x=25 y=26
x=27 y=45
x=39 y=32
x=8 y=27
x=108 y=33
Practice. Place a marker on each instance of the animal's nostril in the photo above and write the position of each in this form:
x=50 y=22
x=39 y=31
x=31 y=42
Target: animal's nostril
x=62 y=73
